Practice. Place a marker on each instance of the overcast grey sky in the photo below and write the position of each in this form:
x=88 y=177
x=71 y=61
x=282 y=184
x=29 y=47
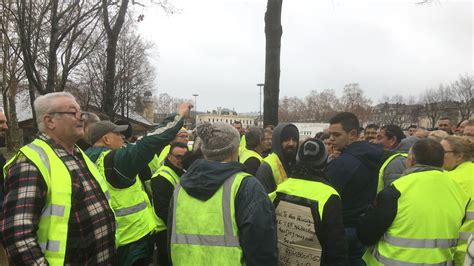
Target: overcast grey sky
x=216 y=48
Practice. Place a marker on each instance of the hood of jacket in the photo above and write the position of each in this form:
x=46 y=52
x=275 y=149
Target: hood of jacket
x=276 y=143
x=94 y=152
x=205 y=177
x=406 y=144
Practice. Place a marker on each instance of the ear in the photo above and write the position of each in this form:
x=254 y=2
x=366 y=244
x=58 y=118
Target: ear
x=49 y=122
x=105 y=139
x=353 y=135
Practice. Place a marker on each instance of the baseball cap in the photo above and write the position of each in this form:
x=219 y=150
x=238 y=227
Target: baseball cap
x=99 y=129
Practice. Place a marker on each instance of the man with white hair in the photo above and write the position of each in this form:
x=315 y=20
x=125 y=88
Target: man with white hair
x=56 y=204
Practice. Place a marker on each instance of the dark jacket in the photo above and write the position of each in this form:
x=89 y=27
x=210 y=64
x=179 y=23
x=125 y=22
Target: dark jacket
x=264 y=173
x=251 y=165
x=354 y=174
x=162 y=191
x=254 y=212
x=123 y=165
x=329 y=229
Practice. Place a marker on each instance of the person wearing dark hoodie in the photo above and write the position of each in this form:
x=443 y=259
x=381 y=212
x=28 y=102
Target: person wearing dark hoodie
x=219 y=214
x=354 y=175
x=136 y=220
x=308 y=196
x=396 y=146
x=276 y=166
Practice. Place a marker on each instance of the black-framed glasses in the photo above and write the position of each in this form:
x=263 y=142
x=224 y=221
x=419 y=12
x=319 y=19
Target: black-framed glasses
x=77 y=114
x=449 y=151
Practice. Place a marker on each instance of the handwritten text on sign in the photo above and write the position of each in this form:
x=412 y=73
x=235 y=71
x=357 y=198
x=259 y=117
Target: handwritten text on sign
x=297 y=241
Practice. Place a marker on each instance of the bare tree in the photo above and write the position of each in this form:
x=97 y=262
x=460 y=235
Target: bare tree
x=273 y=32
x=353 y=100
x=133 y=78
x=431 y=100
x=12 y=73
x=463 y=94
x=48 y=29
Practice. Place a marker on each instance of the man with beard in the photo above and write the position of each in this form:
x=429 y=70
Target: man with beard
x=277 y=164
x=354 y=175
x=370 y=132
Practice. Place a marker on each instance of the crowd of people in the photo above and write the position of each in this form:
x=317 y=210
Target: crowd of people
x=87 y=192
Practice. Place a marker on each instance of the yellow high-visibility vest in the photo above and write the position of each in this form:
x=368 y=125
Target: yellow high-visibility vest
x=53 y=225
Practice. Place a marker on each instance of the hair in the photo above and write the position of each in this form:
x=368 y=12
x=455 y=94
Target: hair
x=43 y=106
x=461 y=145
x=325 y=136
x=470 y=123
x=374 y=126
x=270 y=127
x=177 y=145
x=254 y=137
x=412 y=126
x=91 y=118
x=237 y=122
x=393 y=131
x=428 y=152
x=446 y=118
x=319 y=135
x=437 y=135
x=349 y=121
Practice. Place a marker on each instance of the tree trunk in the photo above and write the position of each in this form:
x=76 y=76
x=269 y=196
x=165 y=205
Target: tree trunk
x=14 y=140
x=109 y=78
x=273 y=32
x=53 y=45
x=112 y=39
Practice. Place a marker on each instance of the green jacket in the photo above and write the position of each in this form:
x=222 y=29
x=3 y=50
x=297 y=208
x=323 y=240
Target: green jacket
x=128 y=161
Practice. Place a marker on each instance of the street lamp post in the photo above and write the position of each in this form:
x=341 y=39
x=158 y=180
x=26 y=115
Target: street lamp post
x=260 y=103
x=195 y=108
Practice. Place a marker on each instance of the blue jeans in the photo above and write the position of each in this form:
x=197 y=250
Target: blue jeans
x=355 y=249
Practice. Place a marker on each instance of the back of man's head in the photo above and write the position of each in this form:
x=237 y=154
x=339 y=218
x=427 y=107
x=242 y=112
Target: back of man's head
x=254 y=137
x=428 y=152
x=220 y=141
x=394 y=131
x=349 y=121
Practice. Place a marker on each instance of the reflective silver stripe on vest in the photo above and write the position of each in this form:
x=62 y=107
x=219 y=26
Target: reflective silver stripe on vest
x=469 y=215
x=464 y=235
x=42 y=154
x=227 y=240
x=419 y=243
x=130 y=210
x=107 y=195
x=51 y=245
x=53 y=210
x=394 y=262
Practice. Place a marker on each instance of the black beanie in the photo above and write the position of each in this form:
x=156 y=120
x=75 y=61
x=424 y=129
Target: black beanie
x=290 y=131
x=313 y=152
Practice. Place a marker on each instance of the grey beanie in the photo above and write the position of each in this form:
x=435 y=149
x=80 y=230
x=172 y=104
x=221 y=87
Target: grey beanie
x=218 y=140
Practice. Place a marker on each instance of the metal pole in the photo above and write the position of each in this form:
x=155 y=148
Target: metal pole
x=261 y=85
x=195 y=108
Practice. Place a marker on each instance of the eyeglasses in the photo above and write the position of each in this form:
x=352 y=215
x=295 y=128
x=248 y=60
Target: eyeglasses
x=77 y=114
x=449 y=152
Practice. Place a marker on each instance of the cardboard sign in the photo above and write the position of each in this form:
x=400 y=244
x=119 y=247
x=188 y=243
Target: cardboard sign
x=297 y=241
